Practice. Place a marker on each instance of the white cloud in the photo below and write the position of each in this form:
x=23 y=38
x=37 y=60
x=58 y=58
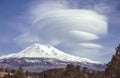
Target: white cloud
x=81 y=35
x=91 y=45
x=58 y=25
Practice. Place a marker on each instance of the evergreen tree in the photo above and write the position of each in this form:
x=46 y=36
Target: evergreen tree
x=1 y=69
x=78 y=72
x=13 y=71
x=6 y=70
x=113 y=67
x=85 y=72
x=26 y=73
x=69 y=71
x=20 y=73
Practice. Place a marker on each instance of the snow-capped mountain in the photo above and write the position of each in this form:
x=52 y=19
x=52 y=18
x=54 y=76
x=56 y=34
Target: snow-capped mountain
x=47 y=51
x=39 y=57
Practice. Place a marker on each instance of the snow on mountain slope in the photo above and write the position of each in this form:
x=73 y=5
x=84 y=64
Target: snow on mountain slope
x=47 y=51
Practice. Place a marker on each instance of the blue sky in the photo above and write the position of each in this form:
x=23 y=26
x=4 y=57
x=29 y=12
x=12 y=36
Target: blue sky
x=85 y=28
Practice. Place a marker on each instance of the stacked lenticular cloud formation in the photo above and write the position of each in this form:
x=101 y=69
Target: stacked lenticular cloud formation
x=60 y=25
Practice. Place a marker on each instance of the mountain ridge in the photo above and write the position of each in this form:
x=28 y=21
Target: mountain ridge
x=39 y=58
x=47 y=51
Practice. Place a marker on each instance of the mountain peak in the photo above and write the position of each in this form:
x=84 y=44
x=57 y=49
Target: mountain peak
x=36 y=44
x=39 y=46
x=47 y=51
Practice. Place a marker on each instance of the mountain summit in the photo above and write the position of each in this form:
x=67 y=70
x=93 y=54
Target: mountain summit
x=38 y=58
x=47 y=51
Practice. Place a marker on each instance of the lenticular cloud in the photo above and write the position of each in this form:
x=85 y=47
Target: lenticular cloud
x=71 y=23
x=62 y=25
